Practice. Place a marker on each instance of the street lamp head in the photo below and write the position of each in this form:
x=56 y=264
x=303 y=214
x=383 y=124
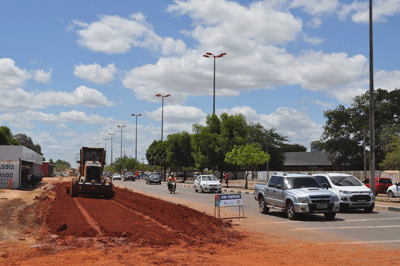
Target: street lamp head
x=111 y=134
x=167 y=95
x=206 y=56
x=121 y=126
x=209 y=53
x=158 y=95
x=136 y=115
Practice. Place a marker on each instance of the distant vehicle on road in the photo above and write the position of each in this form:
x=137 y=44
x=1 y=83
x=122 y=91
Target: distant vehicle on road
x=154 y=178
x=207 y=183
x=129 y=176
x=116 y=176
x=381 y=185
x=394 y=190
x=296 y=194
x=351 y=192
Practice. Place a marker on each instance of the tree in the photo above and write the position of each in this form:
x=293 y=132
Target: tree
x=270 y=142
x=342 y=138
x=26 y=141
x=203 y=144
x=390 y=136
x=61 y=166
x=180 y=151
x=130 y=164
x=293 y=148
x=157 y=154
x=6 y=137
x=247 y=157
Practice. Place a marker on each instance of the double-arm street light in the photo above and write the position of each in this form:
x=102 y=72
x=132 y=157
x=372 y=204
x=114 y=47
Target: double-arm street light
x=210 y=55
x=162 y=112
x=121 y=138
x=111 y=146
x=136 y=136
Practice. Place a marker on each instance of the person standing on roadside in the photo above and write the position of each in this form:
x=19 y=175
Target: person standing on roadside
x=29 y=180
x=136 y=175
x=226 y=178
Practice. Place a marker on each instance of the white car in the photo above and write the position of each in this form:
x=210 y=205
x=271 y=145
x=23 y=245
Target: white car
x=207 y=183
x=352 y=193
x=394 y=190
x=116 y=176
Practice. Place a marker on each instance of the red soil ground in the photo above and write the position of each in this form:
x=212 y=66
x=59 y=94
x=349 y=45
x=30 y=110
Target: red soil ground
x=134 y=229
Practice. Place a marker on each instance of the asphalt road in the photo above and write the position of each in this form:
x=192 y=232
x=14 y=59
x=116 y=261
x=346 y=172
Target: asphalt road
x=379 y=228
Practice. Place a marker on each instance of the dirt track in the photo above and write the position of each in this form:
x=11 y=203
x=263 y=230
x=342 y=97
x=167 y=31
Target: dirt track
x=138 y=230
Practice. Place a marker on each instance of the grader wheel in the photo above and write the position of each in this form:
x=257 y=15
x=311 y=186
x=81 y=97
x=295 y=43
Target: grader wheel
x=68 y=190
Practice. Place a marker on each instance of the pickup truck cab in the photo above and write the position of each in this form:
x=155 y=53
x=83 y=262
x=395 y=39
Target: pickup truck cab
x=352 y=193
x=296 y=194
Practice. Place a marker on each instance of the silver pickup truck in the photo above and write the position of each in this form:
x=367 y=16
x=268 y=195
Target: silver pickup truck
x=296 y=194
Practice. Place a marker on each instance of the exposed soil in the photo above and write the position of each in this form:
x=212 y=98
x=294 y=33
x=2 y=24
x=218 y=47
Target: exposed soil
x=47 y=227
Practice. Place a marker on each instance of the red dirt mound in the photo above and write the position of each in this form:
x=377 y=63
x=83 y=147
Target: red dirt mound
x=136 y=218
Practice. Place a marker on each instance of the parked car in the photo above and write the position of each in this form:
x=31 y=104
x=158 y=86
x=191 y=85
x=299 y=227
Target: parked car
x=116 y=176
x=296 y=194
x=394 y=190
x=381 y=185
x=207 y=183
x=351 y=192
x=154 y=178
x=129 y=176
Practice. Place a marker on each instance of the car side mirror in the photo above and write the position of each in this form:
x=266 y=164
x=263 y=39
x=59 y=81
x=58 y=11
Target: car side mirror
x=325 y=185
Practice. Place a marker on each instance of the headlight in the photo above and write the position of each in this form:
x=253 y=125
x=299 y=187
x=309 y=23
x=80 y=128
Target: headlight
x=334 y=199
x=303 y=200
x=344 y=192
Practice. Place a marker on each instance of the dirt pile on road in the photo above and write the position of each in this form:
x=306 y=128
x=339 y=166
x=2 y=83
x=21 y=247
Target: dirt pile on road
x=135 y=218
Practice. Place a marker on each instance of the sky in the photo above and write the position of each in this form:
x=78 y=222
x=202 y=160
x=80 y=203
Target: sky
x=72 y=71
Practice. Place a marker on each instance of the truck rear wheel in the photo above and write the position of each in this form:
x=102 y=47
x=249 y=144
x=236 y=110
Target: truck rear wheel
x=263 y=207
x=290 y=211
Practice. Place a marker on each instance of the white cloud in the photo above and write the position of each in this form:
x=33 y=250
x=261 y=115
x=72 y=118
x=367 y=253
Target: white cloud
x=178 y=114
x=114 y=34
x=41 y=76
x=19 y=99
x=359 y=11
x=316 y=7
x=95 y=73
x=312 y=40
x=294 y=124
x=11 y=76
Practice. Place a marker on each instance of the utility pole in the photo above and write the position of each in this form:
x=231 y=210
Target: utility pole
x=111 y=147
x=371 y=104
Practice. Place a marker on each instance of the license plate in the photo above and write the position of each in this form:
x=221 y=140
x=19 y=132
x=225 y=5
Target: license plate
x=322 y=206
x=362 y=201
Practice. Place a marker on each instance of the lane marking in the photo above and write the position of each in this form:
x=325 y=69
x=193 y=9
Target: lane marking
x=360 y=242
x=346 y=227
x=358 y=220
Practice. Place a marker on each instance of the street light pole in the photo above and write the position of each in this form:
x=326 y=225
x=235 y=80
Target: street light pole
x=105 y=145
x=121 y=138
x=210 y=55
x=162 y=112
x=136 y=136
x=111 y=147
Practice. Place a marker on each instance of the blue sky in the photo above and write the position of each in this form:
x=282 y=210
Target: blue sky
x=72 y=71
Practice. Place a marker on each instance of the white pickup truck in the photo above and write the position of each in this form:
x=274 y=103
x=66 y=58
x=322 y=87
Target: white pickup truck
x=296 y=194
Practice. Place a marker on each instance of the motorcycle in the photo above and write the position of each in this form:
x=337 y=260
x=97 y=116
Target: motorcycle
x=172 y=187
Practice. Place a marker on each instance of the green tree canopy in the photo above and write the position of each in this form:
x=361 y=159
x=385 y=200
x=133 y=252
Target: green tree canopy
x=26 y=141
x=342 y=138
x=61 y=166
x=247 y=156
x=180 y=151
x=157 y=154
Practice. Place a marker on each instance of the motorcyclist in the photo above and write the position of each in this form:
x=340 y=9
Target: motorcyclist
x=171 y=180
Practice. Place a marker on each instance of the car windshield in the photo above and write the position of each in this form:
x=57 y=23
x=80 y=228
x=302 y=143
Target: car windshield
x=209 y=178
x=347 y=180
x=301 y=182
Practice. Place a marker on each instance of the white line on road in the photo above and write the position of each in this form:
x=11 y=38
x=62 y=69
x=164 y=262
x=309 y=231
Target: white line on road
x=345 y=227
x=357 y=220
x=361 y=242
